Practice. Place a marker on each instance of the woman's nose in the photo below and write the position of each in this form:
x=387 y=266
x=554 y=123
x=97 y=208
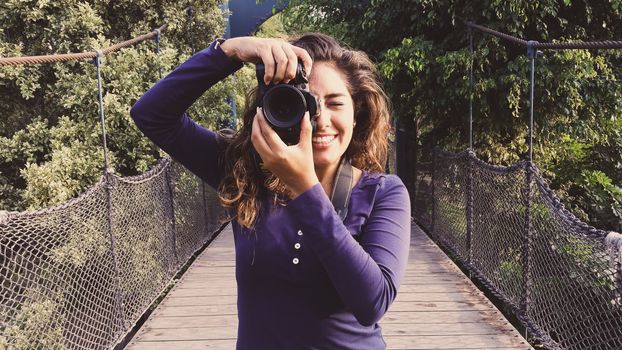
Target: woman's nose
x=322 y=116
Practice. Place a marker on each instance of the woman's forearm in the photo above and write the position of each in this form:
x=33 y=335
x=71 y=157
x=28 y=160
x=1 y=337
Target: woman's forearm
x=166 y=102
x=160 y=112
x=366 y=273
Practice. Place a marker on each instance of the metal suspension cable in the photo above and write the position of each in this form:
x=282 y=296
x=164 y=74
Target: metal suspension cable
x=471 y=59
x=190 y=28
x=497 y=34
x=157 y=40
x=12 y=61
x=606 y=44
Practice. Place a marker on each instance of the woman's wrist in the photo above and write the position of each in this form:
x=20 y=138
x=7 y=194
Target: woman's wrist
x=302 y=188
x=228 y=47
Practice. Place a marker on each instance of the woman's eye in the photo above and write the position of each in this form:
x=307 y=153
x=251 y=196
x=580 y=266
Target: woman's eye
x=335 y=104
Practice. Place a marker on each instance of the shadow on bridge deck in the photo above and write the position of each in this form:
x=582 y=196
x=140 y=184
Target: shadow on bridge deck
x=437 y=306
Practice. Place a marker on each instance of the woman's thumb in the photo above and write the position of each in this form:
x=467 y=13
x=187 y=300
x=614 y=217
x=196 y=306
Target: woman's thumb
x=306 y=130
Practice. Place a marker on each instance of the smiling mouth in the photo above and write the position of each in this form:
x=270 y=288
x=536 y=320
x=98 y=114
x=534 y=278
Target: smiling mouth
x=323 y=140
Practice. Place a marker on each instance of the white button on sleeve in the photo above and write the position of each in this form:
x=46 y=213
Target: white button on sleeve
x=295 y=261
x=299 y=233
x=297 y=246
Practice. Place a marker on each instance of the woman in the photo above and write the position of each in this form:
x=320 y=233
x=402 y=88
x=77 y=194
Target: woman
x=306 y=279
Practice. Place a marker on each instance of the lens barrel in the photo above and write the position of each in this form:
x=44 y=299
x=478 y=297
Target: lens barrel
x=284 y=106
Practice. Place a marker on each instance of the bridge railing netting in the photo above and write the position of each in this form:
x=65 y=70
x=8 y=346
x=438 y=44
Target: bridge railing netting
x=79 y=275
x=560 y=277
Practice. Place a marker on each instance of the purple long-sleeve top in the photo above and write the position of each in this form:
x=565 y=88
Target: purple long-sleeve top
x=305 y=279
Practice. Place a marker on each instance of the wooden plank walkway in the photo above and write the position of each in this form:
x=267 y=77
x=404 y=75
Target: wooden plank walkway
x=437 y=306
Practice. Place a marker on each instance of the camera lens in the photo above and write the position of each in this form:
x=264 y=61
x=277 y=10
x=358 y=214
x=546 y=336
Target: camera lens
x=284 y=106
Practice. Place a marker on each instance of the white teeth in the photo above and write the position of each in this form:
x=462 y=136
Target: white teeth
x=323 y=139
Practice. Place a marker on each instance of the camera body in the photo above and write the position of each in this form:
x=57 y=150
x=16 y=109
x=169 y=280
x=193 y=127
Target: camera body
x=284 y=105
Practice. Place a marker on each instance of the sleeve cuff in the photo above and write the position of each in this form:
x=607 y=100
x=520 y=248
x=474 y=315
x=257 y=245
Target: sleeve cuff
x=312 y=195
x=220 y=58
x=317 y=219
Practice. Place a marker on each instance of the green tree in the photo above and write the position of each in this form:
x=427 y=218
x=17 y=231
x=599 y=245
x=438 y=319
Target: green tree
x=50 y=137
x=421 y=47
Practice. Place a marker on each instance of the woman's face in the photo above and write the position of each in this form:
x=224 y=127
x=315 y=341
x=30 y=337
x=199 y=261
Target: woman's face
x=335 y=121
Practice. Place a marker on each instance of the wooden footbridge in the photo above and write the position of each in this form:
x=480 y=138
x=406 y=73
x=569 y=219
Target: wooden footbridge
x=437 y=306
x=78 y=275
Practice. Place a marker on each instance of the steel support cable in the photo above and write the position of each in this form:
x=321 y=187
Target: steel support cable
x=158 y=33
x=12 y=61
x=497 y=34
x=190 y=27
x=471 y=61
x=606 y=44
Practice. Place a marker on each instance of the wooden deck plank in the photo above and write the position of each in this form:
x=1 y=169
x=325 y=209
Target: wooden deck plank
x=402 y=296
x=161 y=322
x=196 y=289
x=406 y=343
x=437 y=307
x=454 y=342
x=212 y=344
x=231 y=307
x=388 y=330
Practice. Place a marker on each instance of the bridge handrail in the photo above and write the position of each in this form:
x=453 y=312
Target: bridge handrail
x=80 y=274
x=559 y=276
x=66 y=284
x=12 y=61
x=603 y=44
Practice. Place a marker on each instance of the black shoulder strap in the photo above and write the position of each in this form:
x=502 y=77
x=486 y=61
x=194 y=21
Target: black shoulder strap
x=342 y=188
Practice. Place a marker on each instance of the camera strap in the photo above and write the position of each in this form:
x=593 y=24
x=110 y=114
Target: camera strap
x=342 y=188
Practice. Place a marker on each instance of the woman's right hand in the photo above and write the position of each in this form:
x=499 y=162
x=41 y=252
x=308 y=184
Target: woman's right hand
x=278 y=56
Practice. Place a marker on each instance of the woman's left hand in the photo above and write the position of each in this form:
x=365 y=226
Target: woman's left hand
x=291 y=164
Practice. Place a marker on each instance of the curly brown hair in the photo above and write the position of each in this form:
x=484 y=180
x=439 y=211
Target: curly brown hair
x=244 y=182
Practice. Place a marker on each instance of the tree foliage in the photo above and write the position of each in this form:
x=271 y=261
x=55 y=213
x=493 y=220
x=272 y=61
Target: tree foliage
x=50 y=137
x=422 y=50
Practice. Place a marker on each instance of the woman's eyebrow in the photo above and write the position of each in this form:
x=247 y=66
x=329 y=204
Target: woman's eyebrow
x=333 y=95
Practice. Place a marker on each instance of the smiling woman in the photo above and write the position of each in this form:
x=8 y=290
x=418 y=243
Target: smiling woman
x=335 y=120
x=307 y=279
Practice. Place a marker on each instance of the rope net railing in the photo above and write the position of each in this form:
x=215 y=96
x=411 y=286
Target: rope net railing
x=79 y=275
x=559 y=276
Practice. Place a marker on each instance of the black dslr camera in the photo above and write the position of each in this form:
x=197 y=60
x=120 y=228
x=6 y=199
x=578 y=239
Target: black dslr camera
x=284 y=105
